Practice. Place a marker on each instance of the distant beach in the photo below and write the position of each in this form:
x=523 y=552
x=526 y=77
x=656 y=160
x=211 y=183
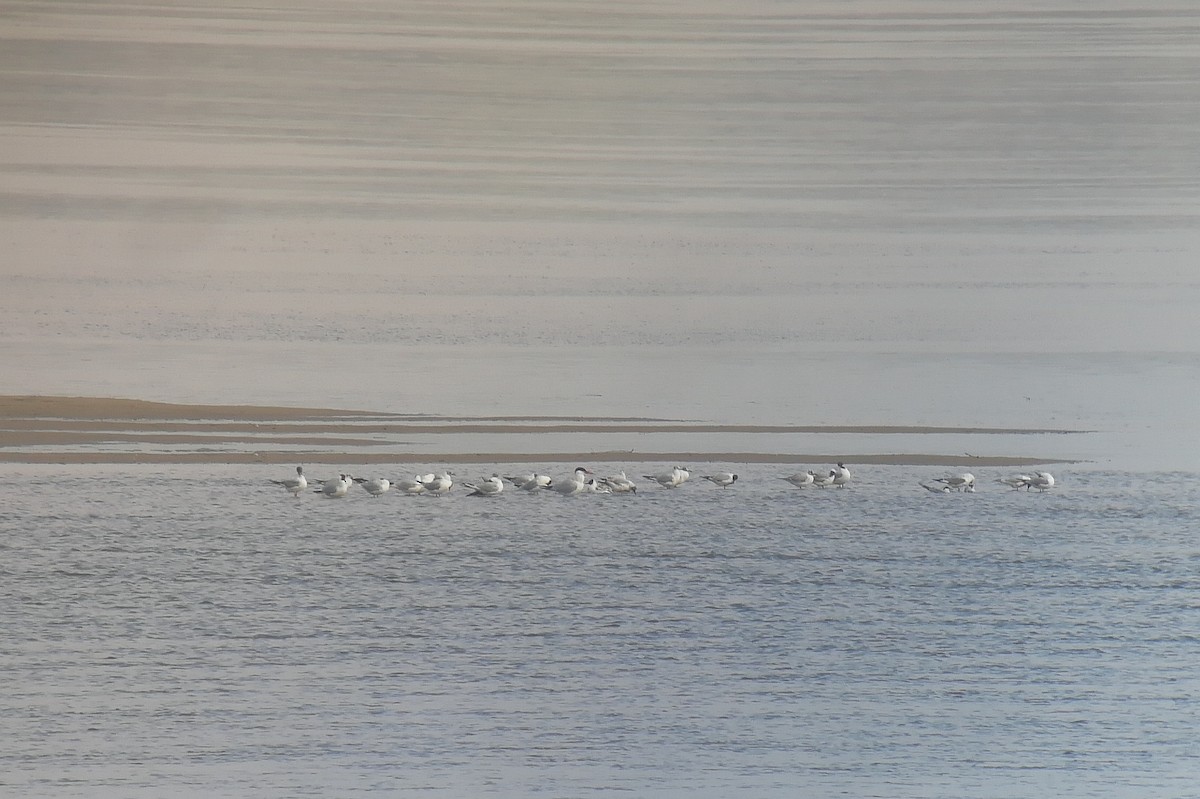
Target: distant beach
x=37 y=429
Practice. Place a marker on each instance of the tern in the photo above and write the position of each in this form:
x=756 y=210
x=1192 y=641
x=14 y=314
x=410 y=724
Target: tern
x=670 y=479
x=377 y=487
x=487 y=487
x=577 y=483
x=723 y=479
x=441 y=484
x=408 y=485
x=800 y=480
x=335 y=487
x=592 y=486
x=1041 y=481
x=841 y=475
x=530 y=482
x=1015 y=481
x=620 y=484
x=959 y=482
x=294 y=484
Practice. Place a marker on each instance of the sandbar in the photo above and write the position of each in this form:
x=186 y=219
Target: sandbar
x=54 y=429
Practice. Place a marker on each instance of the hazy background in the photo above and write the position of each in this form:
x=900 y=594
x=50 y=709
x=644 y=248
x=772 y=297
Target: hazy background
x=808 y=212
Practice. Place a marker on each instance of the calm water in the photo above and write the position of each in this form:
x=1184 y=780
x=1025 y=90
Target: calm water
x=189 y=631
x=896 y=213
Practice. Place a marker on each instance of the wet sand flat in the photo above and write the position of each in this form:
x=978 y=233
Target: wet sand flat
x=110 y=430
x=882 y=214
x=74 y=408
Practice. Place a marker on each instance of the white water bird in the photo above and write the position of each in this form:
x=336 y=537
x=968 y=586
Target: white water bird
x=377 y=487
x=335 y=487
x=575 y=484
x=801 y=479
x=530 y=482
x=1015 y=481
x=1041 y=481
x=841 y=475
x=438 y=485
x=294 y=484
x=594 y=486
x=824 y=480
x=935 y=489
x=723 y=479
x=620 y=484
x=670 y=479
x=487 y=487
x=409 y=485
x=959 y=482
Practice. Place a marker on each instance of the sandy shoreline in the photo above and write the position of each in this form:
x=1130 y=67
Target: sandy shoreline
x=34 y=406
x=35 y=429
x=333 y=458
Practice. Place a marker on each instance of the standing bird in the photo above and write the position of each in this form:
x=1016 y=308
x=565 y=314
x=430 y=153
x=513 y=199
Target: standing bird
x=489 y=487
x=409 y=485
x=377 y=487
x=723 y=479
x=800 y=480
x=335 y=488
x=825 y=480
x=591 y=486
x=441 y=484
x=959 y=482
x=620 y=484
x=841 y=475
x=1041 y=481
x=1015 y=481
x=670 y=479
x=294 y=484
x=577 y=483
x=531 y=482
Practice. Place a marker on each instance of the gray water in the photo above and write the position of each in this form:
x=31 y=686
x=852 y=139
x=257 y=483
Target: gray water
x=891 y=213
x=189 y=631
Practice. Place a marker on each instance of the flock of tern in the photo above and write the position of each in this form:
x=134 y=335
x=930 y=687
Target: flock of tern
x=966 y=482
x=584 y=481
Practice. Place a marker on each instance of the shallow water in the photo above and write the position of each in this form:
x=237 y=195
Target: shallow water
x=897 y=214
x=192 y=631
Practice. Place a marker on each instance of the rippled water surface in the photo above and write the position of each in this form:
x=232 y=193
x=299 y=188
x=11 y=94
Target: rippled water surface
x=902 y=213
x=189 y=631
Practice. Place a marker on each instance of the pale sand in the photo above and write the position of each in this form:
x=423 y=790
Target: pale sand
x=29 y=423
x=34 y=407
